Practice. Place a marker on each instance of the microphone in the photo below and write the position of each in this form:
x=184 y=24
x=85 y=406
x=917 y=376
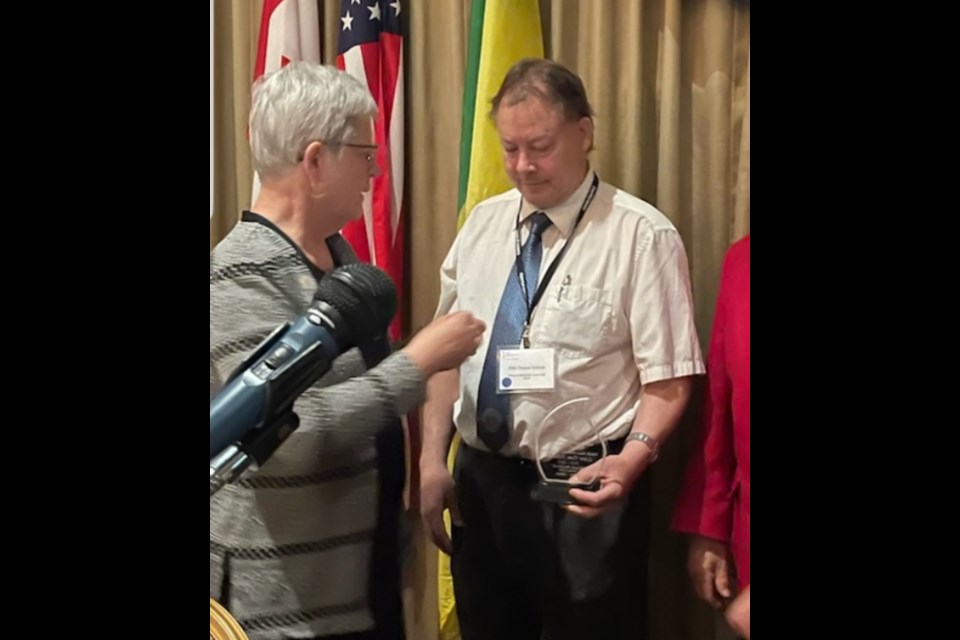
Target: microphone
x=353 y=305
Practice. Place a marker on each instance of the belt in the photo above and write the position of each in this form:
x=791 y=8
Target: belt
x=524 y=468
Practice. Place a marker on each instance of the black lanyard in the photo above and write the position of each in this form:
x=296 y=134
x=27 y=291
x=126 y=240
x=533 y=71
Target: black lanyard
x=545 y=280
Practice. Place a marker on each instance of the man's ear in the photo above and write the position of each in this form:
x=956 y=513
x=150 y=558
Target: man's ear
x=585 y=125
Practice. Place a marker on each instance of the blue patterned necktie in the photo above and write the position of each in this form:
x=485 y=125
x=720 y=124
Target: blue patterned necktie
x=493 y=409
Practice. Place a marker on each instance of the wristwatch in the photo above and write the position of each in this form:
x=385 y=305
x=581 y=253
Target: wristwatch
x=647 y=440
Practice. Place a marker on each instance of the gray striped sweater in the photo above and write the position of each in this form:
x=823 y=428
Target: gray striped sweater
x=290 y=544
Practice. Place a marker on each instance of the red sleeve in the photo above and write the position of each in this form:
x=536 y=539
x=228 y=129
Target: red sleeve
x=704 y=505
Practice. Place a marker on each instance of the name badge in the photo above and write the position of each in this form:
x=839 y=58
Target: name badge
x=524 y=370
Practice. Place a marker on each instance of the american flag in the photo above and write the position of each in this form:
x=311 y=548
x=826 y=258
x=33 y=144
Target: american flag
x=371 y=49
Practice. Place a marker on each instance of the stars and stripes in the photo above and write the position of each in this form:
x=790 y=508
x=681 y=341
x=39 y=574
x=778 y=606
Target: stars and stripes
x=371 y=49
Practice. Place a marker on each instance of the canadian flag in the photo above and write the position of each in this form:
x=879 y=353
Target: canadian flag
x=289 y=30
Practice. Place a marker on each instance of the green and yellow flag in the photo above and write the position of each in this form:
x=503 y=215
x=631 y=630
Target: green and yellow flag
x=501 y=32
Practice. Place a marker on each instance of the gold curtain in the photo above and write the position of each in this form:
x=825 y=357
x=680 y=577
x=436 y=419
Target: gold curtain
x=670 y=82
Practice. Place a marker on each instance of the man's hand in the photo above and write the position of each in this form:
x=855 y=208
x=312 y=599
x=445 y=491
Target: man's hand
x=617 y=474
x=708 y=565
x=437 y=492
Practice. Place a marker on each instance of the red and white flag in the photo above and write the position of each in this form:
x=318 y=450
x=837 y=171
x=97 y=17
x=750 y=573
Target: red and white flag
x=289 y=30
x=370 y=48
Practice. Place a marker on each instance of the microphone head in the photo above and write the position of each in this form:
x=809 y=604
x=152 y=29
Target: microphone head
x=364 y=297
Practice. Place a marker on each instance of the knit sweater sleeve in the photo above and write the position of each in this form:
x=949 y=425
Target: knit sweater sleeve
x=253 y=295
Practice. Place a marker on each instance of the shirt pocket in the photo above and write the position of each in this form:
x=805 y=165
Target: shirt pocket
x=577 y=320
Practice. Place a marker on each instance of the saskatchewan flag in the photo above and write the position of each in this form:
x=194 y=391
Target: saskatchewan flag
x=501 y=33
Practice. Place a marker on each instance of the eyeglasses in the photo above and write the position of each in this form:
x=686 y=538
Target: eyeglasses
x=371 y=154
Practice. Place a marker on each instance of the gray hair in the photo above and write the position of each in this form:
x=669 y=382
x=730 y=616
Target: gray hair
x=301 y=103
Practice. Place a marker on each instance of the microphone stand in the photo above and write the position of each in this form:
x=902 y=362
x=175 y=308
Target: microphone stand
x=257 y=447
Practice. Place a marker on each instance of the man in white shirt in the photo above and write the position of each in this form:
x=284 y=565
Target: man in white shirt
x=585 y=291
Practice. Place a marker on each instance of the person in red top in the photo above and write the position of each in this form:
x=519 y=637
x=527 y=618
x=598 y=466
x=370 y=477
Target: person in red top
x=713 y=506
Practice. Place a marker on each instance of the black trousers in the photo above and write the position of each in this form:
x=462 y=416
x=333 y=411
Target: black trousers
x=527 y=570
